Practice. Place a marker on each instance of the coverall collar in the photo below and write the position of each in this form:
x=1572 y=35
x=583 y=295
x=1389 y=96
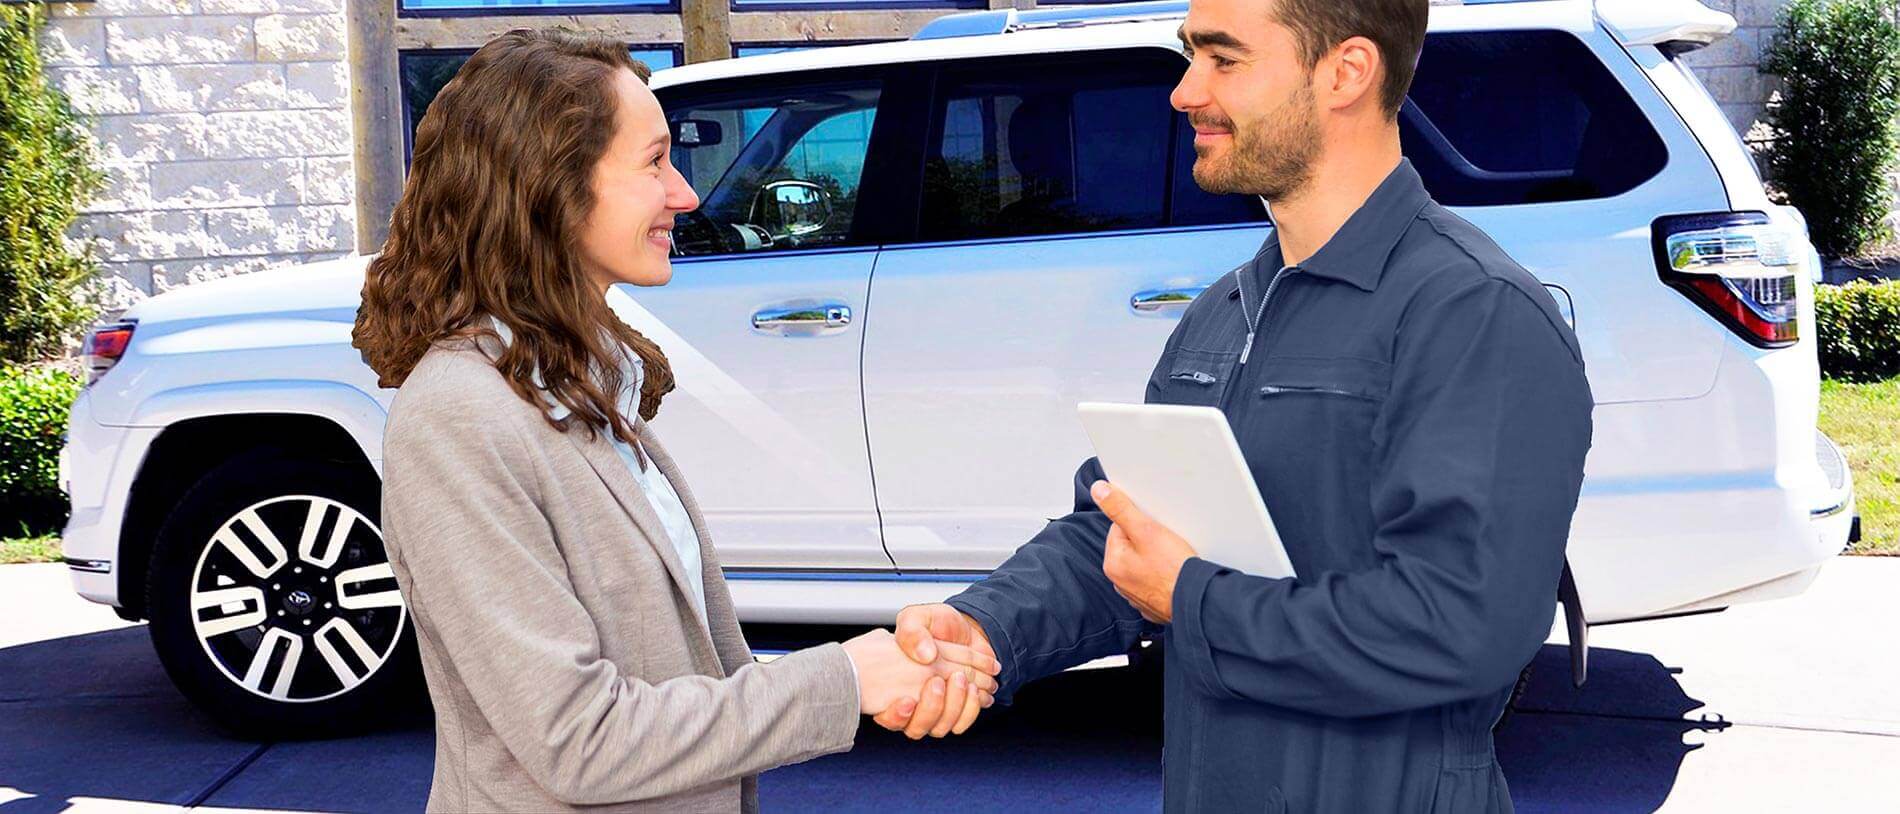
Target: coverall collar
x=1357 y=253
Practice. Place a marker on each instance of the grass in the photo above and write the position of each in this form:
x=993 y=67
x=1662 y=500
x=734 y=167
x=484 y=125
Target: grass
x=1864 y=419
x=44 y=548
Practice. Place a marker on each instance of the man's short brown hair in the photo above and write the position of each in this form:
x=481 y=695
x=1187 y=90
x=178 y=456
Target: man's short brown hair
x=1396 y=26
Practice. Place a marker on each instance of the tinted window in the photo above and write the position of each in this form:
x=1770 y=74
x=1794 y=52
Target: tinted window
x=774 y=170
x=1057 y=148
x=1523 y=117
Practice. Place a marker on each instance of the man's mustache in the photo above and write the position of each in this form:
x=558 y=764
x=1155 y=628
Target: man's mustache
x=1211 y=123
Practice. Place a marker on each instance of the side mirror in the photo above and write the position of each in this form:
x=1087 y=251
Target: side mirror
x=697 y=132
x=792 y=207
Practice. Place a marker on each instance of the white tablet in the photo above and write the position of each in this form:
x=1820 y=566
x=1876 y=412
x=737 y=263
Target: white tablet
x=1182 y=466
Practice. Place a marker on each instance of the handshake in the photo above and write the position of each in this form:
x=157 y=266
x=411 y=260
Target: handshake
x=931 y=678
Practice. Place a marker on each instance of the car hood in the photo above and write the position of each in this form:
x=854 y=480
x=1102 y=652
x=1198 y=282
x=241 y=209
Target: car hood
x=329 y=286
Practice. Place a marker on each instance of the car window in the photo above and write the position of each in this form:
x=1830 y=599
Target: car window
x=775 y=170
x=1513 y=117
x=1076 y=147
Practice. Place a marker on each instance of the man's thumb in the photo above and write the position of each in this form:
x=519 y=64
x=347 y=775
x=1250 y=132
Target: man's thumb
x=915 y=641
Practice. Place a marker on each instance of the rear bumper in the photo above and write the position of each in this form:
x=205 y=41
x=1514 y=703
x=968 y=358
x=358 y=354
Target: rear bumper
x=97 y=467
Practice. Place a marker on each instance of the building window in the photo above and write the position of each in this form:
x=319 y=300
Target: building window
x=821 y=5
x=460 y=8
x=423 y=74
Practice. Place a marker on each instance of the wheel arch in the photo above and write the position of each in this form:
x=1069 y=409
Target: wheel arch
x=206 y=426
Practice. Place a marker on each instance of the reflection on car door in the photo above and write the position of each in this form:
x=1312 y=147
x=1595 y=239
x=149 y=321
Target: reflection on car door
x=1056 y=191
x=762 y=319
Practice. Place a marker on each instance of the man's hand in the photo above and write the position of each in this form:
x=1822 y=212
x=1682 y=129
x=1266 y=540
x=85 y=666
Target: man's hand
x=889 y=681
x=1143 y=558
x=929 y=634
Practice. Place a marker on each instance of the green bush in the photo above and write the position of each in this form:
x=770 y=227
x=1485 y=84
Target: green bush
x=1833 y=126
x=33 y=408
x=1859 y=325
x=45 y=174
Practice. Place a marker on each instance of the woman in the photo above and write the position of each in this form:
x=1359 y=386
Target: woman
x=578 y=641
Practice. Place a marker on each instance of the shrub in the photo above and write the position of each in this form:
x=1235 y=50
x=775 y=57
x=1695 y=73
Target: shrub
x=1859 y=325
x=1834 y=123
x=33 y=408
x=45 y=173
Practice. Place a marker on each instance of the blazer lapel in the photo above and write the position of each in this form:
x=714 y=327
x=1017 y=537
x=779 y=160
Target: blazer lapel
x=723 y=620
x=607 y=463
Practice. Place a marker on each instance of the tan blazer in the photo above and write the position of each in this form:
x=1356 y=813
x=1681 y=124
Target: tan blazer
x=567 y=666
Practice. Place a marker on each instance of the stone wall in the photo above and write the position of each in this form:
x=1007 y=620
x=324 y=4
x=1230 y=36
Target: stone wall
x=223 y=130
x=1728 y=66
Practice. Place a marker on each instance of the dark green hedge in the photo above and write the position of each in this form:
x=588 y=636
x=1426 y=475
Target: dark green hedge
x=45 y=175
x=33 y=408
x=1833 y=125
x=1859 y=325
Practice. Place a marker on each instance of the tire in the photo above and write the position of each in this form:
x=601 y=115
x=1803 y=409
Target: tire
x=341 y=654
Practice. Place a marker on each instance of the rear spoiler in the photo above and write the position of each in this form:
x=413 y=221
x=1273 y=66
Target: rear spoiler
x=1674 y=25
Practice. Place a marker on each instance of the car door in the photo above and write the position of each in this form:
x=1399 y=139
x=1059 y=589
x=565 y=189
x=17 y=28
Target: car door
x=1059 y=237
x=762 y=319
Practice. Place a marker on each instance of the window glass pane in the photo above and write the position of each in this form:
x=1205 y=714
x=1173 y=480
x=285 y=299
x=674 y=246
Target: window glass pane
x=423 y=73
x=515 y=5
x=1046 y=149
x=776 y=170
x=1508 y=117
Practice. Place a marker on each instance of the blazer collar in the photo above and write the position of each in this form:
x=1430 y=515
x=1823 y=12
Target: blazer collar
x=598 y=450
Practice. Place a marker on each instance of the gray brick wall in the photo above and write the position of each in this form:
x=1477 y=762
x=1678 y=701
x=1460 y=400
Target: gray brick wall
x=223 y=130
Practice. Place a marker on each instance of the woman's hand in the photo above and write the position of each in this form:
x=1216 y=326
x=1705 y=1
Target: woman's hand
x=960 y=678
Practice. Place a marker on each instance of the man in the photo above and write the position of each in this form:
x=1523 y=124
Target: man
x=1413 y=409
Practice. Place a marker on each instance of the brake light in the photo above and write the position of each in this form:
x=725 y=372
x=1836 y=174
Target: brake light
x=104 y=345
x=1739 y=267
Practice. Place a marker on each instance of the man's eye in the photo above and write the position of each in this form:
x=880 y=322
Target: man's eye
x=1222 y=62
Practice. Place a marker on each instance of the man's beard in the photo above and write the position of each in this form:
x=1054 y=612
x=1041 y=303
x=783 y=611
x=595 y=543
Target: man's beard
x=1272 y=157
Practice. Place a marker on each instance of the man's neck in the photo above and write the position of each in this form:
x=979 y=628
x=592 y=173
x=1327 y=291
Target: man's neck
x=1343 y=178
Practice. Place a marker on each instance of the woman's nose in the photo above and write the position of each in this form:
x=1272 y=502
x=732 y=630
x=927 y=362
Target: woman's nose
x=680 y=196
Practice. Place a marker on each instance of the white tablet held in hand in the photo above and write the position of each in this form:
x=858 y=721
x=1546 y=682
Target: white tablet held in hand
x=1182 y=466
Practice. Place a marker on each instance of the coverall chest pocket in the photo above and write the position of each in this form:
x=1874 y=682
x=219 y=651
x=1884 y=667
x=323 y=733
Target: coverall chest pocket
x=1313 y=418
x=1195 y=377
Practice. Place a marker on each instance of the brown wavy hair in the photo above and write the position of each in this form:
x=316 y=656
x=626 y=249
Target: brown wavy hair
x=489 y=224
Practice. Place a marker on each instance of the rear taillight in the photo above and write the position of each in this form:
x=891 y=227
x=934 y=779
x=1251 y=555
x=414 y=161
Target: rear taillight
x=104 y=345
x=1738 y=266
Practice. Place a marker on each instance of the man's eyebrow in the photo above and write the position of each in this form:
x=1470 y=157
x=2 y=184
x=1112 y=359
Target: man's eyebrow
x=1212 y=39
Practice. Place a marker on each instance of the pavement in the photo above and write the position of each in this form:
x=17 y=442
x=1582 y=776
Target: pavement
x=1784 y=706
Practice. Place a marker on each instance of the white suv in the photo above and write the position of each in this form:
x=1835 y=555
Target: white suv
x=911 y=262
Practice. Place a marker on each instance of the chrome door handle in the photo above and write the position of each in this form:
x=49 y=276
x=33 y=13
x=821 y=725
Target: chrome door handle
x=806 y=319
x=1166 y=299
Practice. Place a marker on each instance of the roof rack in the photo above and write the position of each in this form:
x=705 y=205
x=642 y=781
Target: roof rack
x=1002 y=21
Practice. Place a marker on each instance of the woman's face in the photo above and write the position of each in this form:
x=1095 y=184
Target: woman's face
x=628 y=237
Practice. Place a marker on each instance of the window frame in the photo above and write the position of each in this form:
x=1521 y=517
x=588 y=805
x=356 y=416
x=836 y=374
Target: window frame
x=884 y=181
x=932 y=80
x=402 y=96
x=537 y=10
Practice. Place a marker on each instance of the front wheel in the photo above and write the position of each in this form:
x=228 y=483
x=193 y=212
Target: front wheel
x=272 y=603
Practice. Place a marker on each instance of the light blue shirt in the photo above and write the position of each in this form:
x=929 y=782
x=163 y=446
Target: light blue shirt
x=659 y=490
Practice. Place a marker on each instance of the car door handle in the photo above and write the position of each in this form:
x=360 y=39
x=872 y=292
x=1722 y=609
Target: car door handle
x=803 y=320
x=1166 y=299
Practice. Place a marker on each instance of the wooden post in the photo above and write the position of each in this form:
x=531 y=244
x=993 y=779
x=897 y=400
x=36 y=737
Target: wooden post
x=376 y=112
x=707 y=25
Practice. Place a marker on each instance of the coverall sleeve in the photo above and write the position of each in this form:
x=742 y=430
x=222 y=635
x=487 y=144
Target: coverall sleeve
x=1050 y=607
x=1484 y=436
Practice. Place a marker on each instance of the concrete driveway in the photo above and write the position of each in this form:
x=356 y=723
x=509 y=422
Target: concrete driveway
x=1789 y=706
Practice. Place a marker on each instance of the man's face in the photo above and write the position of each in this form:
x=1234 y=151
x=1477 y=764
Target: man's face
x=1250 y=99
